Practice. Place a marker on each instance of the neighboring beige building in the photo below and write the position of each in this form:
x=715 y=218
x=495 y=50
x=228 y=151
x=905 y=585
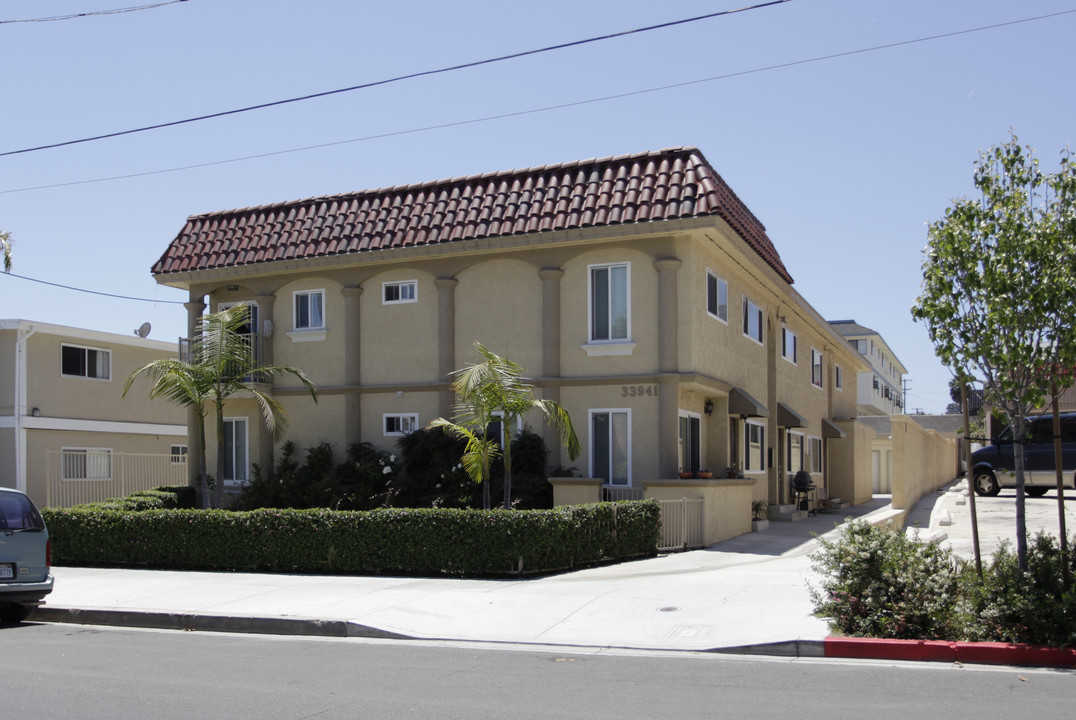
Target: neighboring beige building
x=879 y=389
x=65 y=433
x=638 y=291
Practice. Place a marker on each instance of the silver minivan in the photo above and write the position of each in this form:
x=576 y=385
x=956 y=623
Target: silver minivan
x=25 y=557
x=993 y=467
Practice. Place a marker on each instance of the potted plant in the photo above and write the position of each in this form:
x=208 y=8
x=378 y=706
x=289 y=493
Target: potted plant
x=734 y=471
x=686 y=475
x=760 y=514
x=704 y=474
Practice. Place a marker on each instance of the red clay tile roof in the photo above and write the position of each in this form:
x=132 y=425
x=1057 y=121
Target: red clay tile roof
x=626 y=190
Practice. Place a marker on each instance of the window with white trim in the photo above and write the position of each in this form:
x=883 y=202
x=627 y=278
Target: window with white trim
x=397 y=424
x=690 y=452
x=816 y=368
x=788 y=345
x=309 y=310
x=87 y=362
x=496 y=428
x=717 y=297
x=752 y=321
x=393 y=293
x=610 y=446
x=838 y=377
x=814 y=454
x=236 y=451
x=178 y=454
x=610 y=311
x=86 y=463
x=794 y=461
x=754 y=457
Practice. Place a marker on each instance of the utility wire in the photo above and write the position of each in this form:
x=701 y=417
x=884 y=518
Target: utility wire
x=94 y=12
x=91 y=292
x=424 y=73
x=531 y=111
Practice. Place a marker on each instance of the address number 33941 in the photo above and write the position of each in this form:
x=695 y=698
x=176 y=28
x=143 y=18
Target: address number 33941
x=638 y=390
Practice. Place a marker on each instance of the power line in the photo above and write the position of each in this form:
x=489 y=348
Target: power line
x=548 y=108
x=94 y=12
x=91 y=292
x=399 y=78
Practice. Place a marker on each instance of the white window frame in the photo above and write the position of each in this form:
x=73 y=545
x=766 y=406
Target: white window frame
x=689 y=416
x=751 y=310
x=178 y=454
x=817 y=368
x=794 y=467
x=94 y=457
x=720 y=286
x=628 y=451
x=499 y=414
x=401 y=285
x=747 y=444
x=785 y=335
x=815 y=449
x=86 y=349
x=309 y=295
x=838 y=378
x=402 y=420
x=245 y=466
x=591 y=269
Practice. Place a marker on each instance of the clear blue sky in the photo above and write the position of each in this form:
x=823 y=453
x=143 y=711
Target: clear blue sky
x=845 y=160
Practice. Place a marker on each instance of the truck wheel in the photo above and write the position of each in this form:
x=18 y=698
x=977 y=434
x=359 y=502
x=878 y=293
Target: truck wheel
x=986 y=484
x=14 y=612
x=1036 y=491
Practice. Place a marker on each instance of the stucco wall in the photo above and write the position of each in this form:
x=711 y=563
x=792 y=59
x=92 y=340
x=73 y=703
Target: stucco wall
x=726 y=504
x=849 y=463
x=923 y=461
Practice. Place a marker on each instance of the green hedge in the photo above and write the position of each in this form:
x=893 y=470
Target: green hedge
x=162 y=498
x=427 y=542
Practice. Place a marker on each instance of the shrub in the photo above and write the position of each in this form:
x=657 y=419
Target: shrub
x=161 y=498
x=878 y=582
x=1032 y=607
x=430 y=541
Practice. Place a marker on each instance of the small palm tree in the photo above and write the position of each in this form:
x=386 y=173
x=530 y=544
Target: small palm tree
x=495 y=390
x=222 y=363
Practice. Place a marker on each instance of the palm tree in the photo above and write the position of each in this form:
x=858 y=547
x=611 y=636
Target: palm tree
x=222 y=363
x=5 y=248
x=495 y=390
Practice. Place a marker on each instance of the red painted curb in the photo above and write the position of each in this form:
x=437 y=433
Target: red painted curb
x=984 y=653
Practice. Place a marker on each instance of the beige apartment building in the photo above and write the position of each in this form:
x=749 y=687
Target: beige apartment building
x=638 y=291
x=66 y=434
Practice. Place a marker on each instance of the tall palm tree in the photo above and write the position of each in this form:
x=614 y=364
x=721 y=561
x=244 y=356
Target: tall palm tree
x=495 y=390
x=186 y=384
x=222 y=363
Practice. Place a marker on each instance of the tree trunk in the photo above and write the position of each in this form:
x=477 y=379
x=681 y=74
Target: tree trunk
x=203 y=471
x=971 y=482
x=507 y=466
x=219 y=490
x=1059 y=474
x=1019 y=431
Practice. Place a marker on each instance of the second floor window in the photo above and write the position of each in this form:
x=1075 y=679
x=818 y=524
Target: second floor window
x=310 y=310
x=399 y=292
x=752 y=321
x=609 y=302
x=85 y=362
x=717 y=297
x=788 y=345
x=816 y=368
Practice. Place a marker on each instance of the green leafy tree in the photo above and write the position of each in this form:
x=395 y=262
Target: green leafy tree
x=999 y=285
x=5 y=247
x=223 y=362
x=490 y=391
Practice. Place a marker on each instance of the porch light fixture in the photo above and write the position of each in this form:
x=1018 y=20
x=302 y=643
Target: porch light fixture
x=708 y=408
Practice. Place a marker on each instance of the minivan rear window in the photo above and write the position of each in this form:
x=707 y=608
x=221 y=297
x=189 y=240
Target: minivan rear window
x=18 y=513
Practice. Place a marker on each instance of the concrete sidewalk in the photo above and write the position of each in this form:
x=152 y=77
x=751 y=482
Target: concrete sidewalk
x=749 y=593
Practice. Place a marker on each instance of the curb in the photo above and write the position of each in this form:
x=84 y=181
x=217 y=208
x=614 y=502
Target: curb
x=982 y=653
x=214 y=623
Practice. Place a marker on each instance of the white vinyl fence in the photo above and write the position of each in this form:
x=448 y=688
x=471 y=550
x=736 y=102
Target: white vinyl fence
x=82 y=476
x=681 y=524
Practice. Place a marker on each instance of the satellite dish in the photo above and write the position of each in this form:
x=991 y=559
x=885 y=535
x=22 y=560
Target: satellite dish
x=143 y=330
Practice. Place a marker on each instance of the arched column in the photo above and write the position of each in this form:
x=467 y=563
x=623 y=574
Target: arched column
x=352 y=364
x=446 y=338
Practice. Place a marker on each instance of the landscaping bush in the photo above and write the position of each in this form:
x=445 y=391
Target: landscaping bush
x=881 y=583
x=162 y=498
x=878 y=582
x=428 y=542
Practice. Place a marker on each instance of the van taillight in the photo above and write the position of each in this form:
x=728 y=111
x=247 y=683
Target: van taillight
x=48 y=553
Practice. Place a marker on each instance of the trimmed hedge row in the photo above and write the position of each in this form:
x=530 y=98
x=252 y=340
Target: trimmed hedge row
x=427 y=542
x=162 y=498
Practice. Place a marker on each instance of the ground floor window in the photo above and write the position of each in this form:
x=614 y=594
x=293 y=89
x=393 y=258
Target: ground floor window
x=814 y=454
x=179 y=454
x=86 y=463
x=690 y=453
x=795 y=452
x=400 y=423
x=754 y=447
x=236 y=450
x=610 y=446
